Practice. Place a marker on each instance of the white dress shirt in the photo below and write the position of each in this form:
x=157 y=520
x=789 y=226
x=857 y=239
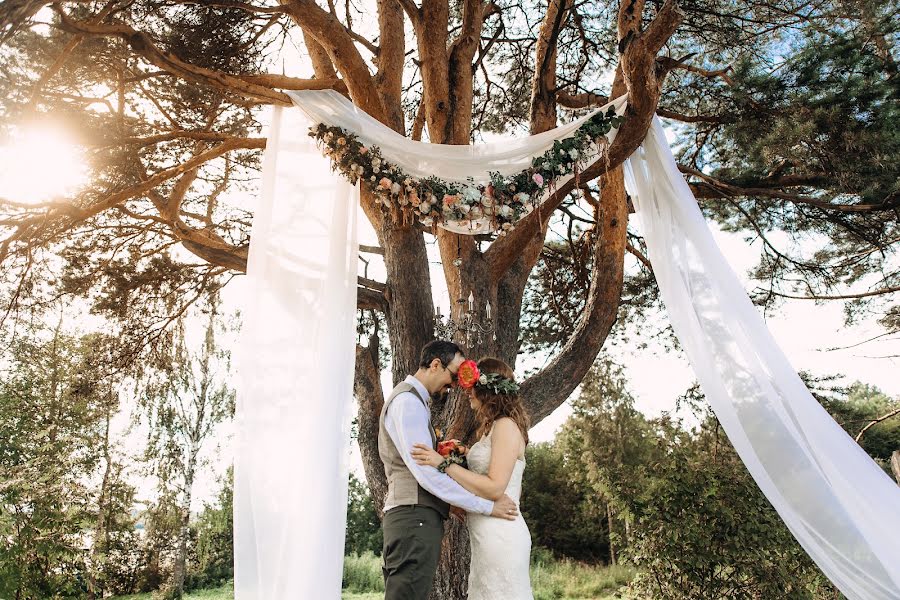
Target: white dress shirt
x=407 y=422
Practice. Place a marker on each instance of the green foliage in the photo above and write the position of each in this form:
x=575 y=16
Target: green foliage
x=552 y=580
x=362 y=573
x=861 y=405
x=214 y=533
x=687 y=514
x=364 y=532
x=56 y=395
x=702 y=528
x=562 y=515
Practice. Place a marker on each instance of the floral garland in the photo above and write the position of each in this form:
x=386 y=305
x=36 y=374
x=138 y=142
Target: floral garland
x=433 y=200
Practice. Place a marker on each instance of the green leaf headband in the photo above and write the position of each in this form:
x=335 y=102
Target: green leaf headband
x=496 y=383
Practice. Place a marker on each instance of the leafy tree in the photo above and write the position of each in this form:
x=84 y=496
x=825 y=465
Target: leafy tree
x=702 y=528
x=562 y=515
x=364 y=532
x=605 y=431
x=55 y=394
x=872 y=418
x=186 y=398
x=215 y=539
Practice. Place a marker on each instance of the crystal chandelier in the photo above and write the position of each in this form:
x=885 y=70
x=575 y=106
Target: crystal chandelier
x=465 y=328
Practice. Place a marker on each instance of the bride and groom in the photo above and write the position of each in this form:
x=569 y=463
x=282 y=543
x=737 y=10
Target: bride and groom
x=423 y=484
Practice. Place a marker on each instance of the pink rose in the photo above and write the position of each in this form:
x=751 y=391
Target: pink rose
x=538 y=179
x=450 y=200
x=385 y=183
x=363 y=150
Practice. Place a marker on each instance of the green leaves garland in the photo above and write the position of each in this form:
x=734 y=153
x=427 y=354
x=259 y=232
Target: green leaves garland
x=497 y=384
x=433 y=200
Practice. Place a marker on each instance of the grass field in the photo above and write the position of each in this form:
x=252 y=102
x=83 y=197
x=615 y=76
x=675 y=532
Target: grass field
x=550 y=579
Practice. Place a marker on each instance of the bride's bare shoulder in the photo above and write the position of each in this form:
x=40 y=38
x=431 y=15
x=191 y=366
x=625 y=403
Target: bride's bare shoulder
x=506 y=427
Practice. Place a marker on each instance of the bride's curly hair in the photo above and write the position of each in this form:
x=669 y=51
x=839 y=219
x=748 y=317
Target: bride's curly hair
x=496 y=406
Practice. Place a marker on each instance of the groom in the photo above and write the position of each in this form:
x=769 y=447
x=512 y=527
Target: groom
x=419 y=497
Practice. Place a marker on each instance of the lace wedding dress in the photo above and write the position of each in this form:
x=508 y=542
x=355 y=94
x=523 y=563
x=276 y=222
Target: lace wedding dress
x=501 y=549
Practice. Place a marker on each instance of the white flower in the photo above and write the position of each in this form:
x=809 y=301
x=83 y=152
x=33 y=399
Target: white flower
x=522 y=197
x=425 y=208
x=505 y=211
x=395 y=188
x=487 y=202
x=482 y=380
x=376 y=162
x=573 y=153
x=464 y=208
x=427 y=221
x=372 y=178
x=472 y=195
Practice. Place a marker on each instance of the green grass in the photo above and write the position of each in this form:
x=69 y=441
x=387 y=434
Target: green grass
x=225 y=592
x=550 y=579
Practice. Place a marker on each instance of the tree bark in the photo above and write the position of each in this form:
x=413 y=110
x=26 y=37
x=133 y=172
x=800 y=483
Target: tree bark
x=895 y=465
x=612 y=544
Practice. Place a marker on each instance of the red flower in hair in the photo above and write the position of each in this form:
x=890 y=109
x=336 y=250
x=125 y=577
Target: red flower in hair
x=468 y=374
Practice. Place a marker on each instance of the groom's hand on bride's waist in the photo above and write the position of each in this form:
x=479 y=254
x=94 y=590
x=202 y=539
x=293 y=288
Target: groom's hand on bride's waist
x=505 y=508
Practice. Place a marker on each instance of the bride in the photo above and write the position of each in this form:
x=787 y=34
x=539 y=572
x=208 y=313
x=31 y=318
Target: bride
x=500 y=549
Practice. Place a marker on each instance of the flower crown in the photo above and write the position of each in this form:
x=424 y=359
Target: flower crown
x=496 y=383
x=469 y=376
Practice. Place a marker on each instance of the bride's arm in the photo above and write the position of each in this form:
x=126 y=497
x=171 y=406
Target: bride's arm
x=506 y=444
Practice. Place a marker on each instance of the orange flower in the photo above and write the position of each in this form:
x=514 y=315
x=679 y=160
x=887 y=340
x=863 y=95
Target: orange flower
x=468 y=374
x=445 y=448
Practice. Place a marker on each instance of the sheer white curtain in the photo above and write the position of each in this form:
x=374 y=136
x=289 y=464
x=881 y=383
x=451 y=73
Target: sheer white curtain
x=842 y=508
x=295 y=375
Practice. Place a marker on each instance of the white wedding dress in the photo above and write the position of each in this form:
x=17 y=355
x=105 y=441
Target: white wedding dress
x=501 y=549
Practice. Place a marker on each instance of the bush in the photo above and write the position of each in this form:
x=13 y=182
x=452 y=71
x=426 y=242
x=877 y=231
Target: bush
x=362 y=573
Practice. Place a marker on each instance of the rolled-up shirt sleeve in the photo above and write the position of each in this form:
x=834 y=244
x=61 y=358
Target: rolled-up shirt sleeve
x=406 y=422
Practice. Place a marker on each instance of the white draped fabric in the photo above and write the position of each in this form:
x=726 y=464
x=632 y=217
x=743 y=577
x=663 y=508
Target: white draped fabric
x=842 y=508
x=295 y=375
x=297 y=367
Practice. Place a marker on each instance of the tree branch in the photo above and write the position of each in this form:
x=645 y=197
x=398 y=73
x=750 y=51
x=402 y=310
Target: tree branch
x=549 y=388
x=876 y=422
x=879 y=292
x=716 y=188
x=142 y=44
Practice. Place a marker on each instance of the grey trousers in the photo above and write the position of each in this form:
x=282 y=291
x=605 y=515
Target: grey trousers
x=412 y=547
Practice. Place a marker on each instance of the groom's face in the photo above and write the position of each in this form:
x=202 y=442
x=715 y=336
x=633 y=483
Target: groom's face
x=448 y=374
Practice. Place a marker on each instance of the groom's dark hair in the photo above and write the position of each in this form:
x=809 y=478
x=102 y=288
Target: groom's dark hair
x=441 y=349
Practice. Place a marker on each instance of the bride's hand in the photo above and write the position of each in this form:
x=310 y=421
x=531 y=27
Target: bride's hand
x=424 y=455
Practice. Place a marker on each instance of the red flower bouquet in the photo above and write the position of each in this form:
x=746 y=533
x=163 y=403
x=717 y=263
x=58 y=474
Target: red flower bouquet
x=449 y=447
